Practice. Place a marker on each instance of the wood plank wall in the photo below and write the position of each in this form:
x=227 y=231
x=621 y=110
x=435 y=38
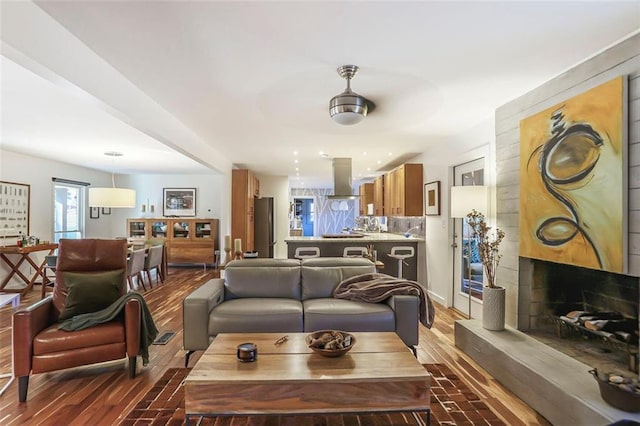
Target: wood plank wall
x=621 y=59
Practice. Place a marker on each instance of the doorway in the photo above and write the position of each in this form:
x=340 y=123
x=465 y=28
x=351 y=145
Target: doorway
x=468 y=274
x=305 y=215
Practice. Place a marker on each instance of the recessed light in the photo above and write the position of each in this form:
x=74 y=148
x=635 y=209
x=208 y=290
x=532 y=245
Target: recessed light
x=379 y=162
x=295 y=152
x=364 y=153
x=368 y=169
x=390 y=154
x=295 y=161
x=297 y=169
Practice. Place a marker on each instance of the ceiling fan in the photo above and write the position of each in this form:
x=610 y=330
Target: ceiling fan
x=349 y=108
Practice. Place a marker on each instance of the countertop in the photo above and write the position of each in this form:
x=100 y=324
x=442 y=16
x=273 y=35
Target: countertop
x=368 y=238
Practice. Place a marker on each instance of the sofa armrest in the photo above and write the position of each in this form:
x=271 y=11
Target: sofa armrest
x=407 y=312
x=195 y=314
x=132 y=323
x=27 y=323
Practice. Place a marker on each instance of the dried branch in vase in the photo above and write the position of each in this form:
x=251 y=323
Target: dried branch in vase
x=488 y=244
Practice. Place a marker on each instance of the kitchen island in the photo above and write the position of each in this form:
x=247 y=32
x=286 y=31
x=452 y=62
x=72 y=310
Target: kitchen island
x=334 y=245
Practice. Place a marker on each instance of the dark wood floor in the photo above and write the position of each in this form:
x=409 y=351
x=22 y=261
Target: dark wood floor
x=102 y=394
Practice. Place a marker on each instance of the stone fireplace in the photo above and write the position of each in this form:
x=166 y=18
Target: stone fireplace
x=554 y=383
x=549 y=291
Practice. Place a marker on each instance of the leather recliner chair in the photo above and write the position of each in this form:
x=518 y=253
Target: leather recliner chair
x=40 y=346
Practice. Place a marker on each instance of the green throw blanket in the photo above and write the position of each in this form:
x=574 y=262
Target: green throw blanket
x=148 y=330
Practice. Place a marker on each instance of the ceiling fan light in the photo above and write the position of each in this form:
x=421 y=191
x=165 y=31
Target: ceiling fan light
x=349 y=108
x=347 y=118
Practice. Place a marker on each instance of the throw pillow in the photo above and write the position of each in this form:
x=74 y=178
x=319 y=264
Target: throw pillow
x=90 y=292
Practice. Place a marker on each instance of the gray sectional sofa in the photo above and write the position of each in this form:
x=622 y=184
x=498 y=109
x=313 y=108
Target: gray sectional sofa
x=288 y=296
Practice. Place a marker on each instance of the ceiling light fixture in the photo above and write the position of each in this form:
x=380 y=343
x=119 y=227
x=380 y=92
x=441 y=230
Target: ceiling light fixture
x=112 y=197
x=349 y=108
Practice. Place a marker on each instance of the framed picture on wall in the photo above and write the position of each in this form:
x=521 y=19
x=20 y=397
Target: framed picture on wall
x=14 y=209
x=179 y=202
x=432 y=198
x=94 y=212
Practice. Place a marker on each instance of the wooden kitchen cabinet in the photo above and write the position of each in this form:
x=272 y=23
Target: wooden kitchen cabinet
x=378 y=196
x=366 y=197
x=403 y=194
x=187 y=240
x=245 y=188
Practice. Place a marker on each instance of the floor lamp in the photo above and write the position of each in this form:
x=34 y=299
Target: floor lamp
x=464 y=199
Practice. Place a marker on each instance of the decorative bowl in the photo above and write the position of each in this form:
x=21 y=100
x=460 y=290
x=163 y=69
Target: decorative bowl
x=337 y=342
x=626 y=400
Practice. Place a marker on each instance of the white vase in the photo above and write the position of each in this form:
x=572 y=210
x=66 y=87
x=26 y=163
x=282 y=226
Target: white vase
x=493 y=302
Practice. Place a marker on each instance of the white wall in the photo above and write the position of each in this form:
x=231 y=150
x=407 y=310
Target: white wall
x=278 y=188
x=38 y=172
x=210 y=196
x=213 y=196
x=438 y=161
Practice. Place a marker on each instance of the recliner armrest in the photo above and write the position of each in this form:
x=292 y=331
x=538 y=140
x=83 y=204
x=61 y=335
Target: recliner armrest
x=132 y=324
x=407 y=312
x=195 y=313
x=27 y=323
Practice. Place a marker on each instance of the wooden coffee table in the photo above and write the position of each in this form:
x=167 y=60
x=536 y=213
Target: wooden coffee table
x=379 y=374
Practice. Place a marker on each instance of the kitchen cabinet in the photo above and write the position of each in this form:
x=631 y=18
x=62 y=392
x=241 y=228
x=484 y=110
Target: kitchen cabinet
x=366 y=197
x=245 y=188
x=403 y=194
x=378 y=196
x=187 y=240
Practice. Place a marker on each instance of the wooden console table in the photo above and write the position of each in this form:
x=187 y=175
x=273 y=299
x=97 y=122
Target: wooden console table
x=25 y=255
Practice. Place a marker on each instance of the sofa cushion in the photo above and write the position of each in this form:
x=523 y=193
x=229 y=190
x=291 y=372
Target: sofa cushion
x=320 y=276
x=278 y=278
x=90 y=291
x=347 y=315
x=256 y=315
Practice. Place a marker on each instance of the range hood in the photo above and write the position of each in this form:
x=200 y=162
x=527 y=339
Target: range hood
x=342 y=179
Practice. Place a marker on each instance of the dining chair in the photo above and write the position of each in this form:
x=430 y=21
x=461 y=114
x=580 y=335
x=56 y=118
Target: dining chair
x=153 y=261
x=135 y=266
x=48 y=281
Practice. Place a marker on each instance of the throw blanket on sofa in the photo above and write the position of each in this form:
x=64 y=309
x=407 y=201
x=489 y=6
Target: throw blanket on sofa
x=375 y=287
x=148 y=330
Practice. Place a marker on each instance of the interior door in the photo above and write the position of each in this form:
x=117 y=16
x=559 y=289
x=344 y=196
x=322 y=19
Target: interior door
x=467 y=272
x=307 y=217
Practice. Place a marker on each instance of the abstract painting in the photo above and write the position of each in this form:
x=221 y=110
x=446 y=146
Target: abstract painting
x=572 y=180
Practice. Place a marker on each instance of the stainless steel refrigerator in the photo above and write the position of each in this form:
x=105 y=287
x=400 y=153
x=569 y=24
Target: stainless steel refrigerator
x=264 y=237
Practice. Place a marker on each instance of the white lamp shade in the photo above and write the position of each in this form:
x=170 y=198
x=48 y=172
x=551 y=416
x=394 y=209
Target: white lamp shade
x=112 y=197
x=467 y=198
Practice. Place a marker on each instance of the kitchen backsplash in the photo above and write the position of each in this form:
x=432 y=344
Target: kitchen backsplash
x=400 y=225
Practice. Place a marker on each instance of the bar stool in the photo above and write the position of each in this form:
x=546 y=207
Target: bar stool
x=354 y=252
x=307 y=252
x=401 y=253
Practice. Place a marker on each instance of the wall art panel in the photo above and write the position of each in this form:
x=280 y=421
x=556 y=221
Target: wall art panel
x=572 y=180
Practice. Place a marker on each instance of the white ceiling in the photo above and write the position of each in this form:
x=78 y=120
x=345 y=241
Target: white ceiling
x=252 y=80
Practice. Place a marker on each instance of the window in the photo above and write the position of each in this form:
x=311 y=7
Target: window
x=69 y=210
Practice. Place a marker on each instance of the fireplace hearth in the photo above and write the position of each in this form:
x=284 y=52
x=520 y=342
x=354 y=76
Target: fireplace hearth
x=576 y=311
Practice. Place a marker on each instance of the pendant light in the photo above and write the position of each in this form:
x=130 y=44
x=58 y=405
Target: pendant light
x=112 y=197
